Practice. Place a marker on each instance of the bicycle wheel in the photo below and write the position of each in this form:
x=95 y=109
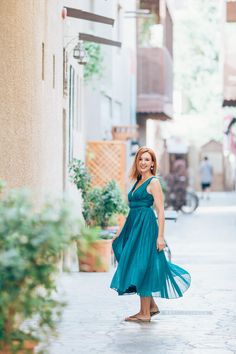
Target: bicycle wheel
x=191 y=203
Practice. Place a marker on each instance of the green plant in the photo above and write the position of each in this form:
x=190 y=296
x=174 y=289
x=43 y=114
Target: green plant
x=82 y=179
x=94 y=249
x=105 y=202
x=2 y=185
x=89 y=235
x=80 y=176
x=99 y=203
x=95 y=59
x=30 y=245
x=145 y=30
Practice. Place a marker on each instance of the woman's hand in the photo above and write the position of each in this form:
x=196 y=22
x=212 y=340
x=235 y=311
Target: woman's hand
x=115 y=236
x=160 y=244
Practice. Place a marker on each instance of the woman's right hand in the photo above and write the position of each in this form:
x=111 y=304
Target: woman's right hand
x=160 y=244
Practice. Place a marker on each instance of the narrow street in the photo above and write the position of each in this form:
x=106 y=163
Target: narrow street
x=203 y=321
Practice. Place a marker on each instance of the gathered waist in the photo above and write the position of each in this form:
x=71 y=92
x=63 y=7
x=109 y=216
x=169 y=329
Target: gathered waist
x=135 y=205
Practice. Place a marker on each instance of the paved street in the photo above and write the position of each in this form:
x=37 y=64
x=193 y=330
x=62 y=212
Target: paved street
x=203 y=321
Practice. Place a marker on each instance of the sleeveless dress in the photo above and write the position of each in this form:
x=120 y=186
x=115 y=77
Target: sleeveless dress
x=142 y=269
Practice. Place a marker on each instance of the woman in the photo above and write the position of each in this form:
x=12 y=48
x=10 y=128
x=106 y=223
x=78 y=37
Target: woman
x=142 y=266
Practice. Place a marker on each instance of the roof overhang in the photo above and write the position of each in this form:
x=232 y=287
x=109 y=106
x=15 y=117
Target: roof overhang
x=154 y=105
x=90 y=38
x=229 y=103
x=151 y=115
x=89 y=16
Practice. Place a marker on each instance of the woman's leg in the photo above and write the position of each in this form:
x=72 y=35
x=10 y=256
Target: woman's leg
x=153 y=305
x=145 y=303
x=144 y=313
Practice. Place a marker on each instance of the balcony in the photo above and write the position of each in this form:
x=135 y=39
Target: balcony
x=155 y=83
x=231 y=11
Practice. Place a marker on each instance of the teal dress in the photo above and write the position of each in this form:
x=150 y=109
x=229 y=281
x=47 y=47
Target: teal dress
x=142 y=269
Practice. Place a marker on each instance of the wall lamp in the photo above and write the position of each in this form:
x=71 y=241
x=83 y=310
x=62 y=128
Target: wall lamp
x=79 y=53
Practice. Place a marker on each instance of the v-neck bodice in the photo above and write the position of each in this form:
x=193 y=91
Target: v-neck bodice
x=139 y=197
x=134 y=189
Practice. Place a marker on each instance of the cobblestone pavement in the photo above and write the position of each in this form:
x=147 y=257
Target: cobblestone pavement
x=202 y=322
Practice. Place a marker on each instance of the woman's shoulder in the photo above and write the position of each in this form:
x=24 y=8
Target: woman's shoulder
x=155 y=181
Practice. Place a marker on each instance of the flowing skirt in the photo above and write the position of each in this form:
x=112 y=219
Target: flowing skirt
x=142 y=269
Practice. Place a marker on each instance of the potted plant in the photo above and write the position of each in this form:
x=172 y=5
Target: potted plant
x=30 y=244
x=100 y=206
x=94 y=250
x=103 y=203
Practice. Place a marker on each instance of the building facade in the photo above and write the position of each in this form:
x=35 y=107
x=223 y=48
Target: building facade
x=229 y=94
x=47 y=112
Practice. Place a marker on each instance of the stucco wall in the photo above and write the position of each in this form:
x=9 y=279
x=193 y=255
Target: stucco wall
x=30 y=108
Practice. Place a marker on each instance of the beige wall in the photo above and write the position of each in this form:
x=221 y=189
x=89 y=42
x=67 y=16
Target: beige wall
x=30 y=108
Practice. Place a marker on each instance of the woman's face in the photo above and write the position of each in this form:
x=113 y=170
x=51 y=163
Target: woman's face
x=144 y=163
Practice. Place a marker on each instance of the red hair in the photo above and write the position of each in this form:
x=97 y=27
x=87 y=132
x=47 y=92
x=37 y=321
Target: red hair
x=134 y=173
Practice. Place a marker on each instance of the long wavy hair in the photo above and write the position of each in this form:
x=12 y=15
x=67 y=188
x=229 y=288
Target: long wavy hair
x=134 y=173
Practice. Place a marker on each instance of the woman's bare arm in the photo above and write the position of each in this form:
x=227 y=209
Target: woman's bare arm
x=156 y=190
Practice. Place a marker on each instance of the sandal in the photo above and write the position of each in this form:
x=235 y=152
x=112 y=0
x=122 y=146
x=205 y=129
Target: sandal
x=137 y=319
x=153 y=313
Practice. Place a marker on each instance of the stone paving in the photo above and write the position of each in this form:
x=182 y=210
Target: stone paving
x=202 y=322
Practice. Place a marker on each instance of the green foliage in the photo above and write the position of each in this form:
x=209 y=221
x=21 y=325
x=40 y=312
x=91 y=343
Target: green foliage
x=30 y=245
x=145 y=30
x=2 y=185
x=93 y=68
x=106 y=202
x=80 y=176
x=196 y=56
x=99 y=204
x=89 y=235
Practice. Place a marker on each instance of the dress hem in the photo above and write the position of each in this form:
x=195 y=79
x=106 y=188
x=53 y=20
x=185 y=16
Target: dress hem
x=153 y=293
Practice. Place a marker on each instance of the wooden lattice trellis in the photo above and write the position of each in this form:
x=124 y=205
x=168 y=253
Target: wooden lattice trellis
x=106 y=160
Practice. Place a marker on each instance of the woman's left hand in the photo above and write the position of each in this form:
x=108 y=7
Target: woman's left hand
x=161 y=244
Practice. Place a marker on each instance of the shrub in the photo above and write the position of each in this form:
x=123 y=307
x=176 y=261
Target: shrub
x=100 y=204
x=30 y=245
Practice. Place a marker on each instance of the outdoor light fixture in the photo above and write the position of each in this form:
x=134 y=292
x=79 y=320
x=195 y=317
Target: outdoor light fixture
x=79 y=53
x=134 y=147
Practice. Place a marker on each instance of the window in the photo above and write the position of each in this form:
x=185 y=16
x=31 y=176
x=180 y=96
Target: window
x=71 y=110
x=42 y=70
x=53 y=70
x=64 y=165
x=65 y=71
